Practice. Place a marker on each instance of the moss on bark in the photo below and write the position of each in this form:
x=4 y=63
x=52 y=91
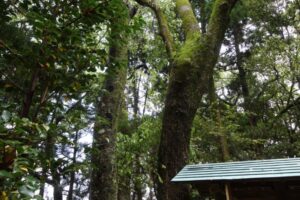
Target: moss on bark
x=193 y=64
x=103 y=179
x=189 y=22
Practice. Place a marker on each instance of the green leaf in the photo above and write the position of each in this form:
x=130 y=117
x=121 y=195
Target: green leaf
x=25 y=191
x=6 y=174
x=6 y=115
x=46 y=127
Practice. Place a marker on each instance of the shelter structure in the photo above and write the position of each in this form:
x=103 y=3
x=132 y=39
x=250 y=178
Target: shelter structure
x=274 y=179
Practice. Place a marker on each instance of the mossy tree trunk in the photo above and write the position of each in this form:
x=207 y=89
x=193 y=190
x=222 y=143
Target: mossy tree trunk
x=103 y=178
x=189 y=78
x=192 y=65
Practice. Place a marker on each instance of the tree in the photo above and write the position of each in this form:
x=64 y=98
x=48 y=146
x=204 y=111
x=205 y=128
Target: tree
x=191 y=66
x=110 y=100
x=64 y=66
x=47 y=66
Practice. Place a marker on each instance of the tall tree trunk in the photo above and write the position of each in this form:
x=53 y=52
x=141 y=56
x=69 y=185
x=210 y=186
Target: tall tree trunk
x=248 y=105
x=138 y=186
x=103 y=184
x=237 y=33
x=124 y=179
x=58 y=189
x=191 y=69
x=52 y=165
x=189 y=76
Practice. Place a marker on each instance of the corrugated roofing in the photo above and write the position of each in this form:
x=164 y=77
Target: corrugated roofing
x=242 y=170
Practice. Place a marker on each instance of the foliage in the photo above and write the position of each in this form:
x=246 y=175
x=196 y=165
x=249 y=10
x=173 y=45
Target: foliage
x=54 y=61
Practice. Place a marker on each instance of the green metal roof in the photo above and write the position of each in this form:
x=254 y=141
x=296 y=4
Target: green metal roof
x=242 y=170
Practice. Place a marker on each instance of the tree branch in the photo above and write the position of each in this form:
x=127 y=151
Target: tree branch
x=162 y=23
x=12 y=51
x=296 y=102
x=219 y=17
x=15 y=84
x=189 y=22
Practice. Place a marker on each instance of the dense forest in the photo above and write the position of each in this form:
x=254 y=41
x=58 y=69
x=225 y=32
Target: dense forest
x=109 y=99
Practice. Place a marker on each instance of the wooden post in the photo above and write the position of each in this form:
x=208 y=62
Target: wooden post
x=228 y=192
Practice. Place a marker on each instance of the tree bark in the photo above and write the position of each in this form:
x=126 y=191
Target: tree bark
x=30 y=93
x=237 y=35
x=137 y=184
x=124 y=188
x=58 y=189
x=190 y=73
x=103 y=184
x=191 y=68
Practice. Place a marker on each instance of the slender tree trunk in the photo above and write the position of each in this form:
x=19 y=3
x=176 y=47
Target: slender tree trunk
x=135 y=91
x=216 y=108
x=203 y=16
x=124 y=188
x=30 y=93
x=54 y=168
x=146 y=96
x=223 y=138
x=42 y=187
x=138 y=186
x=42 y=102
x=248 y=105
x=48 y=155
x=72 y=175
x=58 y=189
x=124 y=179
x=103 y=184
